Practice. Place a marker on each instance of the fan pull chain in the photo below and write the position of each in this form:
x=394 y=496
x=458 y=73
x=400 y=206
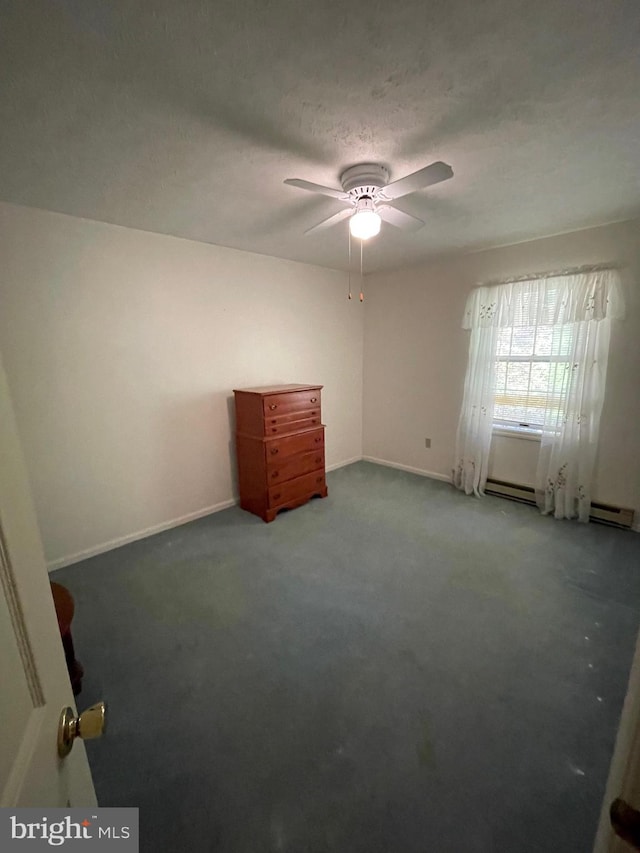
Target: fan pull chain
x=349 y=263
x=361 y=275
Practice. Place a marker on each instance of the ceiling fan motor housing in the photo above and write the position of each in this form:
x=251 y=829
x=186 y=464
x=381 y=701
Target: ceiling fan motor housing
x=364 y=180
x=367 y=191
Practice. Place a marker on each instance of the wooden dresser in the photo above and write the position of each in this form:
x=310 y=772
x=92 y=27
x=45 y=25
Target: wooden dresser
x=280 y=447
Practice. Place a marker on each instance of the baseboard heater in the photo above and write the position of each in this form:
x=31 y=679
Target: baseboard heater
x=602 y=513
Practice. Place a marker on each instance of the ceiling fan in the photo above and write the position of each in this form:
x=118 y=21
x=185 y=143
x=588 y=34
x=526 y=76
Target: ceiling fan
x=366 y=191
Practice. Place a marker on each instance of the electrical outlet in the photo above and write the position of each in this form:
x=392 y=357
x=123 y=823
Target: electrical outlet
x=427 y=443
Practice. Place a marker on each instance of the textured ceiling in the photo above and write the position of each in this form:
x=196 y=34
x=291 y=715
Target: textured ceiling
x=185 y=117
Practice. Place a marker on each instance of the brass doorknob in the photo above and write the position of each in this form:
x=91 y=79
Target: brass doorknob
x=90 y=724
x=625 y=821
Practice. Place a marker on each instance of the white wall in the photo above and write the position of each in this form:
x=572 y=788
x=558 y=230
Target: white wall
x=122 y=349
x=415 y=357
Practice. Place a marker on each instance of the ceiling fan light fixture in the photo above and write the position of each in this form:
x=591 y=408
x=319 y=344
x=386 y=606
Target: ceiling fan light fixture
x=365 y=222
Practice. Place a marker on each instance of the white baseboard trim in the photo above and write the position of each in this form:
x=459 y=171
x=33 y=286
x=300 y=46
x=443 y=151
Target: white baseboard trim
x=68 y=560
x=61 y=562
x=344 y=463
x=433 y=475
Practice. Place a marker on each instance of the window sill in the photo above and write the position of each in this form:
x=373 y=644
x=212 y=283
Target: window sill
x=527 y=434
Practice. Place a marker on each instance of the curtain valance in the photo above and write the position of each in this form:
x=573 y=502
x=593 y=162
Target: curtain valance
x=556 y=300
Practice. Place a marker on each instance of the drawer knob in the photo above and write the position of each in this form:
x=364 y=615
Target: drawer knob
x=318 y=479
x=273 y=406
x=314 y=399
x=274 y=450
x=318 y=440
x=276 y=497
x=318 y=458
x=275 y=474
x=274 y=429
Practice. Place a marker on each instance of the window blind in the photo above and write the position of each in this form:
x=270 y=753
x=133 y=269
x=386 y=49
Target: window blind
x=530 y=373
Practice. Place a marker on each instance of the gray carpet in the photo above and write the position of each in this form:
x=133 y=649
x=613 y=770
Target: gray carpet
x=396 y=669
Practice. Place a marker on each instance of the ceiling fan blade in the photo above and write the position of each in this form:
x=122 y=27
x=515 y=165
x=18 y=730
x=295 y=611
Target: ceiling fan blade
x=317 y=188
x=332 y=220
x=399 y=218
x=433 y=174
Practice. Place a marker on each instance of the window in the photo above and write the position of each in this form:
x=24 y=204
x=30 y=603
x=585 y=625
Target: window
x=530 y=375
x=537 y=367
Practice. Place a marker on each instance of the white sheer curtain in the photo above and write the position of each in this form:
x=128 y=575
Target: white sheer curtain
x=579 y=308
x=473 y=440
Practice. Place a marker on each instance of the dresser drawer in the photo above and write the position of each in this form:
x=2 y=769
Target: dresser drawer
x=294 y=415
x=295 y=401
x=281 y=448
x=305 y=486
x=286 y=427
x=295 y=466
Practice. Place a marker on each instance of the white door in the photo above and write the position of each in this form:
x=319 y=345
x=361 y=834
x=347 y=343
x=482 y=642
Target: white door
x=624 y=774
x=34 y=684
